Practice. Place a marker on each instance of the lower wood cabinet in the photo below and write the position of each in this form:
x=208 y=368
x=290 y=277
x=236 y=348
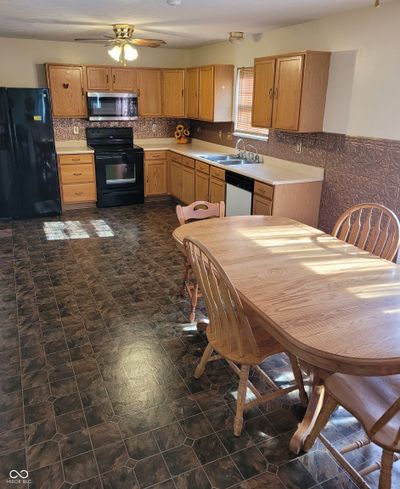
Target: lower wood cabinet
x=155 y=174
x=188 y=176
x=262 y=206
x=77 y=180
x=202 y=189
x=176 y=179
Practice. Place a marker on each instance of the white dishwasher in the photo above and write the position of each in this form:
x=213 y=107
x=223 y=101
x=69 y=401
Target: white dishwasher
x=239 y=194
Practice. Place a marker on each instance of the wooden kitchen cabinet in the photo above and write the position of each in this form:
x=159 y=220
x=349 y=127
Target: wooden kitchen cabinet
x=202 y=181
x=149 y=91
x=262 y=206
x=98 y=78
x=77 y=180
x=123 y=79
x=192 y=93
x=215 y=93
x=176 y=179
x=299 y=82
x=188 y=178
x=217 y=184
x=173 y=91
x=263 y=93
x=67 y=84
x=155 y=173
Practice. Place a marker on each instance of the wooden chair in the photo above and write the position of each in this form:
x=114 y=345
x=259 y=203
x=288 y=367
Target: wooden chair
x=196 y=211
x=232 y=336
x=371 y=227
x=375 y=402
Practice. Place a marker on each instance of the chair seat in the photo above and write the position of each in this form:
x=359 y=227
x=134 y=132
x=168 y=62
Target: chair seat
x=367 y=399
x=267 y=346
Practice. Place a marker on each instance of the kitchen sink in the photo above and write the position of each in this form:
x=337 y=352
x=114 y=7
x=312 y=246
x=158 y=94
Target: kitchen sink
x=227 y=159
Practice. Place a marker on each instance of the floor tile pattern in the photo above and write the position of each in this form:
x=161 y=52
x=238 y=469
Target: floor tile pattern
x=96 y=364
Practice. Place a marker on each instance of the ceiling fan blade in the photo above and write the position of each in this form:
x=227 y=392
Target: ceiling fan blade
x=88 y=39
x=147 y=43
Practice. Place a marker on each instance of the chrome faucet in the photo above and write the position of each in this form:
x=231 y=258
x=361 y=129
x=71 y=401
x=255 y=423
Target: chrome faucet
x=241 y=152
x=252 y=155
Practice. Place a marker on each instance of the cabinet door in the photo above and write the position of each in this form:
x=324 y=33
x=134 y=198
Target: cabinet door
x=123 y=79
x=288 y=84
x=155 y=177
x=149 y=92
x=174 y=93
x=202 y=190
x=262 y=206
x=263 y=93
x=187 y=185
x=192 y=93
x=67 y=88
x=98 y=77
x=217 y=190
x=206 y=93
x=176 y=180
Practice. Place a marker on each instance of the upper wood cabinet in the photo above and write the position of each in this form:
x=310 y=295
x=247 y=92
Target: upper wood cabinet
x=149 y=91
x=192 y=93
x=123 y=79
x=98 y=78
x=215 y=93
x=105 y=78
x=290 y=91
x=173 y=92
x=263 y=93
x=67 y=88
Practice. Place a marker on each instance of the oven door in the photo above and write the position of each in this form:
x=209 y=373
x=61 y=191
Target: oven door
x=118 y=170
x=112 y=106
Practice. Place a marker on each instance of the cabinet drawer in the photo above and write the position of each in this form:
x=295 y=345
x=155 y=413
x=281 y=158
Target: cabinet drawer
x=155 y=155
x=264 y=189
x=77 y=173
x=79 y=192
x=217 y=172
x=76 y=158
x=175 y=157
x=188 y=162
x=203 y=167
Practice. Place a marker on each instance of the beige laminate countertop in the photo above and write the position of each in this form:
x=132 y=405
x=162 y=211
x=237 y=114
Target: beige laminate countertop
x=72 y=147
x=273 y=171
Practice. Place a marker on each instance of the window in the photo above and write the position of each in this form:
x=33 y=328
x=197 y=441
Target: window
x=244 y=104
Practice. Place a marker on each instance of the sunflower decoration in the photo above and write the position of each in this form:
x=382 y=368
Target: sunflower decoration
x=182 y=134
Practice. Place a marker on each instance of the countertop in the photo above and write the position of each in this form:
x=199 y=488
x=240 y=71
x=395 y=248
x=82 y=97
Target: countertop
x=273 y=171
x=72 y=147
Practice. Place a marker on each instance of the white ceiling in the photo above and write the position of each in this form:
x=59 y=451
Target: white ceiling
x=193 y=23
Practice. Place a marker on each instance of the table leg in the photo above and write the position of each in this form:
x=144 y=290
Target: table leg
x=313 y=409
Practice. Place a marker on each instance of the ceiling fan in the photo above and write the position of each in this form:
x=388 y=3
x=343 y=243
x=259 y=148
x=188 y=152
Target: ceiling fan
x=122 y=44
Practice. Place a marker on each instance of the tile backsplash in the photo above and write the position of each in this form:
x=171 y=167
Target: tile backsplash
x=357 y=169
x=143 y=127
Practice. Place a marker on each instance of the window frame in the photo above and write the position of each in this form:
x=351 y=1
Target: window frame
x=236 y=131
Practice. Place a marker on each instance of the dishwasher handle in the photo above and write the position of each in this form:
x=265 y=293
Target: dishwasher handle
x=239 y=181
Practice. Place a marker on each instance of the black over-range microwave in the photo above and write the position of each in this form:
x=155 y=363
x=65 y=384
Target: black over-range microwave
x=112 y=106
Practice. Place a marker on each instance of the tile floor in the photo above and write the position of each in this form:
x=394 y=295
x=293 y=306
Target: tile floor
x=96 y=363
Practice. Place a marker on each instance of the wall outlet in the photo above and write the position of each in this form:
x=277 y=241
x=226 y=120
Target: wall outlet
x=198 y=129
x=220 y=134
x=154 y=128
x=76 y=129
x=299 y=147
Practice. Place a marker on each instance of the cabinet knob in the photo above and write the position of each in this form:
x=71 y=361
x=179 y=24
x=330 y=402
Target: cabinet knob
x=78 y=193
x=65 y=85
x=270 y=93
x=276 y=93
x=77 y=174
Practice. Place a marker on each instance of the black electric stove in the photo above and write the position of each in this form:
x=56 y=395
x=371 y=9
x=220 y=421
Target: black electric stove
x=119 y=166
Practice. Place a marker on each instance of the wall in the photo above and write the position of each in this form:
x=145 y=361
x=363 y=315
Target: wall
x=363 y=94
x=22 y=59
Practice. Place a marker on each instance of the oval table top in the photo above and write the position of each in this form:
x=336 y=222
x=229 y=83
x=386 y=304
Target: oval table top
x=331 y=304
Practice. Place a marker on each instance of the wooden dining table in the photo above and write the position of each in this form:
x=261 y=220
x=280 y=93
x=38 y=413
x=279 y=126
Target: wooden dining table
x=334 y=306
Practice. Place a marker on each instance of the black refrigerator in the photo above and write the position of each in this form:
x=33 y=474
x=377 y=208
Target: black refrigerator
x=28 y=164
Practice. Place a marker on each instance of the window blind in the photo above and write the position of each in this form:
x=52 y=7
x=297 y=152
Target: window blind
x=244 y=103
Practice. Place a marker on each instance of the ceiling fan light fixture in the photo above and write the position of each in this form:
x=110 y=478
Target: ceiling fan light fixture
x=235 y=37
x=130 y=53
x=115 y=52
